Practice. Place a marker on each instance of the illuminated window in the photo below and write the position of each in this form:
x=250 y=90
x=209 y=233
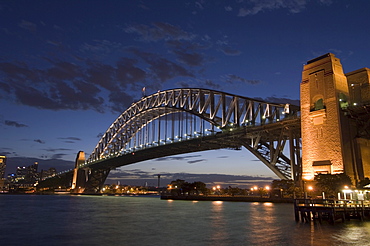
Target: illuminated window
x=319 y=104
x=343 y=100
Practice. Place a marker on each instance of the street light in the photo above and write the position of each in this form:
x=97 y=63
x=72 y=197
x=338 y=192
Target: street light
x=267 y=188
x=215 y=188
x=345 y=191
x=309 y=188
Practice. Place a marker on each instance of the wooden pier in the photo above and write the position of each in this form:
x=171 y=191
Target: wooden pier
x=306 y=210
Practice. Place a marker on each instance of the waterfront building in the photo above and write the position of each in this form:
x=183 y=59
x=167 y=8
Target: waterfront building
x=2 y=166
x=332 y=141
x=26 y=176
x=2 y=172
x=51 y=172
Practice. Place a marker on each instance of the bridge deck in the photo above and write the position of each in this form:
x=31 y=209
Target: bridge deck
x=221 y=140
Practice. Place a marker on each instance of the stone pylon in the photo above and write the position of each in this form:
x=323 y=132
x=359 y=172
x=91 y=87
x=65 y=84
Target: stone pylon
x=326 y=135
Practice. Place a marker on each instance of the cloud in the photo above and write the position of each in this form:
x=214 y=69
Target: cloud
x=232 y=78
x=158 y=31
x=66 y=85
x=101 y=46
x=326 y=2
x=57 y=149
x=14 y=123
x=87 y=80
x=177 y=158
x=161 y=68
x=183 y=84
x=196 y=161
x=27 y=25
x=71 y=138
x=57 y=156
x=190 y=59
x=63 y=85
x=62 y=70
x=120 y=100
x=210 y=84
x=128 y=72
x=228 y=8
x=253 y=7
x=7 y=151
x=281 y=100
x=230 y=52
x=39 y=141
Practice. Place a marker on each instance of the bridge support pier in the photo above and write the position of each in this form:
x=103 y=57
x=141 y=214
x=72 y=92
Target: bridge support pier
x=87 y=180
x=268 y=146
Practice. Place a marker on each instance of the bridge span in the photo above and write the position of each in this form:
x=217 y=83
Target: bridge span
x=181 y=121
x=328 y=134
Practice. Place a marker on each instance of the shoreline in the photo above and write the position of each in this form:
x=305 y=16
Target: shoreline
x=228 y=198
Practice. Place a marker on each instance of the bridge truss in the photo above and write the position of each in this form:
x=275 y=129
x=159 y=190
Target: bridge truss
x=180 y=121
x=179 y=115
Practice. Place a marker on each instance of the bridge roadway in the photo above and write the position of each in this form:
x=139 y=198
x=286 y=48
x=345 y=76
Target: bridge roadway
x=257 y=139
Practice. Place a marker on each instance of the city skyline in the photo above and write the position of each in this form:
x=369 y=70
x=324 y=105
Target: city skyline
x=69 y=69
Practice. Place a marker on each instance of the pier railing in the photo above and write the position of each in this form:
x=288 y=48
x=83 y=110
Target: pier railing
x=331 y=210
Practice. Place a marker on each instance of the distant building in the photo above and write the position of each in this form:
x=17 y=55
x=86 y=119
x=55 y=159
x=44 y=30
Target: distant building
x=24 y=177
x=51 y=172
x=2 y=166
x=2 y=172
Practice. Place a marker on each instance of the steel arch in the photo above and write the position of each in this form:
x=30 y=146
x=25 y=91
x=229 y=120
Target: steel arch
x=222 y=110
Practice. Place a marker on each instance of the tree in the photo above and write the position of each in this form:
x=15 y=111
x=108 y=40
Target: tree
x=285 y=187
x=331 y=184
x=232 y=191
x=181 y=187
x=200 y=187
x=363 y=183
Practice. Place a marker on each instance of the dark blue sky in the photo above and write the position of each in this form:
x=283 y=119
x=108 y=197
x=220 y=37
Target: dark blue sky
x=69 y=68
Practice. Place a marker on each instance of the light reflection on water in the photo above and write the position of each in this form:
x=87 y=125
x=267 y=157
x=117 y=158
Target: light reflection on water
x=87 y=220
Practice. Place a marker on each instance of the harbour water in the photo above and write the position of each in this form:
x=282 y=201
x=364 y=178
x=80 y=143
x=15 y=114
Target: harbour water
x=109 y=220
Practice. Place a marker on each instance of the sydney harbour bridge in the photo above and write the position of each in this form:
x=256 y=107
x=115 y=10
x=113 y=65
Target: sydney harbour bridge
x=188 y=120
x=327 y=134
